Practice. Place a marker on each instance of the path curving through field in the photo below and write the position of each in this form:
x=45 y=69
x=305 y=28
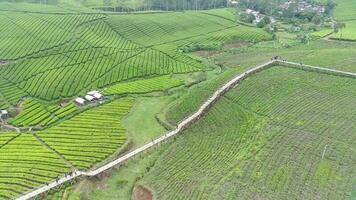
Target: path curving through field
x=186 y=122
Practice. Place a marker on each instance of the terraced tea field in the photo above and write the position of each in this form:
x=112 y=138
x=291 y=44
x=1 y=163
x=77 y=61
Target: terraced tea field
x=281 y=134
x=94 y=50
x=32 y=160
x=51 y=54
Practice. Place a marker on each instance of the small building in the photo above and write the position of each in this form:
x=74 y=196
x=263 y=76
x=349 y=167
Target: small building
x=92 y=92
x=4 y=114
x=233 y=2
x=79 y=101
x=89 y=98
x=95 y=94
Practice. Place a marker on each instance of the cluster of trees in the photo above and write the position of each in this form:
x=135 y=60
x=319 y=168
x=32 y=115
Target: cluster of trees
x=273 y=7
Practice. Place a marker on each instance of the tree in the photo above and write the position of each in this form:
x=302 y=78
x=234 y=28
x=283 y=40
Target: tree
x=338 y=26
x=317 y=19
x=304 y=38
x=329 y=7
x=107 y=3
x=265 y=21
x=245 y=17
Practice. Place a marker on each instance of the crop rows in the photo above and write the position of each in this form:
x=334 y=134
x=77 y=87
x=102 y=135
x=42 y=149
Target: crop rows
x=144 y=86
x=164 y=28
x=107 y=50
x=35 y=32
x=9 y=94
x=91 y=136
x=44 y=8
x=25 y=164
x=34 y=113
x=281 y=134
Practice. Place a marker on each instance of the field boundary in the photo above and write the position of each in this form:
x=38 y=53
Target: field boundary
x=186 y=122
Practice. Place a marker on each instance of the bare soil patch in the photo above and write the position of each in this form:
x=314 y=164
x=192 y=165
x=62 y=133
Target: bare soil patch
x=4 y=62
x=142 y=193
x=205 y=54
x=236 y=45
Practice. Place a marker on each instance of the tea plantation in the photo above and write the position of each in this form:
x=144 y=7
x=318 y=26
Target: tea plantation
x=281 y=133
x=51 y=54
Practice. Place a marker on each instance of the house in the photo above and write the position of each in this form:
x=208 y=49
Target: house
x=4 y=114
x=89 y=98
x=258 y=15
x=92 y=92
x=95 y=94
x=233 y=2
x=80 y=101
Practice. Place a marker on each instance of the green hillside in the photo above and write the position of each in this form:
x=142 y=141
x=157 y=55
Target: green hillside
x=51 y=54
x=265 y=139
x=58 y=56
x=282 y=133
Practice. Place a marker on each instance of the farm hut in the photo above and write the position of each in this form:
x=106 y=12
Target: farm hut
x=80 y=101
x=92 y=92
x=96 y=95
x=4 y=114
x=89 y=98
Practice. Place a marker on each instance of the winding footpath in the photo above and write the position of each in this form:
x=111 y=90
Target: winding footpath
x=186 y=122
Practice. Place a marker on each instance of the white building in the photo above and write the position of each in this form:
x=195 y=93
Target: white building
x=92 y=92
x=3 y=114
x=95 y=94
x=89 y=98
x=233 y=2
x=80 y=101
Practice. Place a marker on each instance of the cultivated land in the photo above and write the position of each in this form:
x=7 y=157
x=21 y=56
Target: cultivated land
x=58 y=53
x=282 y=133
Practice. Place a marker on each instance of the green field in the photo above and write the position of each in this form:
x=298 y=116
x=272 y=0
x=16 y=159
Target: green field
x=265 y=139
x=345 y=12
x=282 y=133
x=93 y=50
x=26 y=164
x=51 y=54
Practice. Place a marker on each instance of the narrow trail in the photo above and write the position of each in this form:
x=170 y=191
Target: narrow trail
x=187 y=121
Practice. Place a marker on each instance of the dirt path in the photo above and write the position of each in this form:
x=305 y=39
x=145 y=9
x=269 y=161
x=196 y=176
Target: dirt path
x=142 y=193
x=4 y=63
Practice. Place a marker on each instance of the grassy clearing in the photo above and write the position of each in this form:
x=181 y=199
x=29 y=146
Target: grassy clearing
x=345 y=10
x=141 y=123
x=266 y=139
x=121 y=181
